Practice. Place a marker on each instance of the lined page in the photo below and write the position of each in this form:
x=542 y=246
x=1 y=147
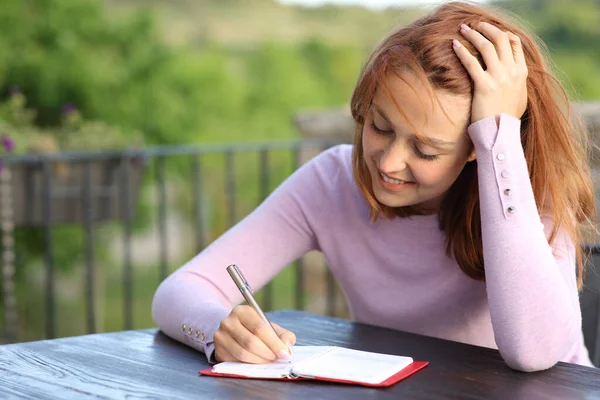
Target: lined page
x=275 y=369
x=352 y=365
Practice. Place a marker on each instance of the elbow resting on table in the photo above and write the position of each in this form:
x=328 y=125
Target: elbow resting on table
x=158 y=304
x=166 y=306
x=537 y=354
x=178 y=301
x=539 y=350
x=527 y=363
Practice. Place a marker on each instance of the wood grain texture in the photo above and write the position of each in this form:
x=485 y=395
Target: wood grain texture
x=146 y=364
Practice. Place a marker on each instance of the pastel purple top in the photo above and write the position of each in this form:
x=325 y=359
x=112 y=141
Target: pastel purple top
x=395 y=272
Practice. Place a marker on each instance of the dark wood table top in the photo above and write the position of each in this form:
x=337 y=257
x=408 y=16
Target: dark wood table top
x=146 y=364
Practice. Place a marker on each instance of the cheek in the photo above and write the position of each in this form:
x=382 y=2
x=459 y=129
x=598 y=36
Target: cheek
x=365 y=142
x=442 y=172
x=371 y=143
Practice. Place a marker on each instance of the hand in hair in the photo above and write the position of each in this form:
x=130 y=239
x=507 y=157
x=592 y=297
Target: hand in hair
x=500 y=86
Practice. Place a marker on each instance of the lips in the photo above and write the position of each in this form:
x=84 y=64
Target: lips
x=393 y=184
x=395 y=181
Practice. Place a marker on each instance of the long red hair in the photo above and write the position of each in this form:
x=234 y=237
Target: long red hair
x=554 y=141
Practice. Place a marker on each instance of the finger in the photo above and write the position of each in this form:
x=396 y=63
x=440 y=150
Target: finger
x=470 y=63
x=253 y=344
x=483 y=45
x=224 y=342
x=517 y=49
x=287 y=337
x=235 y=329
x=500 y=40
x=234 y=350
x=222 y=355
x=263 y=331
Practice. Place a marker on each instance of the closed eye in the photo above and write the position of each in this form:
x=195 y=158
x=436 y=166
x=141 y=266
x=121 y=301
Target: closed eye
x=428 y=157
x=380 y=131
x=383 y=132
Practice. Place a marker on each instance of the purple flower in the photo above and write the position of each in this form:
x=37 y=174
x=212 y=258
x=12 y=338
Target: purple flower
x=68 y=109
x=8 y=143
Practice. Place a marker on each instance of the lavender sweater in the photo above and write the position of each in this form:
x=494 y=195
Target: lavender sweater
x=395 y=273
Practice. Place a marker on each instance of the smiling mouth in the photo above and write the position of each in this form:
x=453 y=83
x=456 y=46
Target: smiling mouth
x=392 y=180
x=393 y=184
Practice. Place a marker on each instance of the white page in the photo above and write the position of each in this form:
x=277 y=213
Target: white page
x=275 y=369
x=352 y=365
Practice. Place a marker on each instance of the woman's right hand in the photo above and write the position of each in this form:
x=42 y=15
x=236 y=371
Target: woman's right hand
x=244 y=336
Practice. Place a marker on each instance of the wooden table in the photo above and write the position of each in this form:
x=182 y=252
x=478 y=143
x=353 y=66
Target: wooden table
x=148 y=364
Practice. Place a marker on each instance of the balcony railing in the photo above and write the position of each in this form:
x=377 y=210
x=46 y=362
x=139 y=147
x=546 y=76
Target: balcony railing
x=136 y=195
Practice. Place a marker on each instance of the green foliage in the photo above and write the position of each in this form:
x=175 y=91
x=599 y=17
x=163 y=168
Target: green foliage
x=571 y=31
x=562 y=24
x=72 y=133
x=582 y=79
x=69 y=52
x=118 y=69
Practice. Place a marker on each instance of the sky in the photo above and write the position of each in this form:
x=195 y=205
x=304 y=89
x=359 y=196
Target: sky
x=375 y=4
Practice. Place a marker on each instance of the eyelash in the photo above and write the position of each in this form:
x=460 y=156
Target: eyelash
x=418 y=152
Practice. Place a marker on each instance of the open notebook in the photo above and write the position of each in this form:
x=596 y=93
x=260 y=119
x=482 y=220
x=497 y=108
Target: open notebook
x=327 y=363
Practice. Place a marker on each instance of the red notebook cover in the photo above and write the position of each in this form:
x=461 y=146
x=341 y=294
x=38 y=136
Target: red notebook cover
x=397 y=377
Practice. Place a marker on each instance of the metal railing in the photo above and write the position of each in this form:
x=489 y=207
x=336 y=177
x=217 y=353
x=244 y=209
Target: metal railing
x=108 y=186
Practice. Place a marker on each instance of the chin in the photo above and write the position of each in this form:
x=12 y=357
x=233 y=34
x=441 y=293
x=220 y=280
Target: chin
x=390 y=200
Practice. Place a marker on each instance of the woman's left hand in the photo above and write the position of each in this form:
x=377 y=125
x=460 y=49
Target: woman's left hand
x=502 y=86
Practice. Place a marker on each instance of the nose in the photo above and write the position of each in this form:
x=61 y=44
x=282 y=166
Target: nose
x=394 y=158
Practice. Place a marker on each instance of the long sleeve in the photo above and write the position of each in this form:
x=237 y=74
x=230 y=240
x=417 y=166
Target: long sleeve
x=190 y=304
x=531 y=285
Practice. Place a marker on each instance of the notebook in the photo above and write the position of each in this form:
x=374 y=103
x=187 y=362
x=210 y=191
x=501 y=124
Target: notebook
x=326 y=363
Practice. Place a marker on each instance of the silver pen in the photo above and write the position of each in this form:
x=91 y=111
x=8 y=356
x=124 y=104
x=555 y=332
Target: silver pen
x=246 y=291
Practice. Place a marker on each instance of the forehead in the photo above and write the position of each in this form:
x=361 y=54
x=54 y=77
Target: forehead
x=430 y=112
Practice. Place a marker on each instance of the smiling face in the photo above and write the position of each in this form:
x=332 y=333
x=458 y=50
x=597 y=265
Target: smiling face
x=407 y=169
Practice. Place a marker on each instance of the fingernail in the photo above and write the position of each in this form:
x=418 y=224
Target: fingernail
x=291 y=348
x=456 y=43
x=465 y=27
x=284 y=355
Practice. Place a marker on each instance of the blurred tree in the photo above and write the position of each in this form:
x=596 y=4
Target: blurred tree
x=573 y=24
x=69 y=51
x=117 y=67
x=571 y=31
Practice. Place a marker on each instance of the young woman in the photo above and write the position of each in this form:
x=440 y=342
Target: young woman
x=455 y=214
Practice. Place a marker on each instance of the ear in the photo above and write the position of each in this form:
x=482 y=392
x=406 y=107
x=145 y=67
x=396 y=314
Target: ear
x=472 y=155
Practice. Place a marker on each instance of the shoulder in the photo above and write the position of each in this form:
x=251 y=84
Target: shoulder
x=331 y=170
x=334 y=160
x=326 y=177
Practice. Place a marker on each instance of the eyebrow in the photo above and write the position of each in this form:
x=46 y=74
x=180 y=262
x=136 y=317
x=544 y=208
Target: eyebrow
x=426 y=139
